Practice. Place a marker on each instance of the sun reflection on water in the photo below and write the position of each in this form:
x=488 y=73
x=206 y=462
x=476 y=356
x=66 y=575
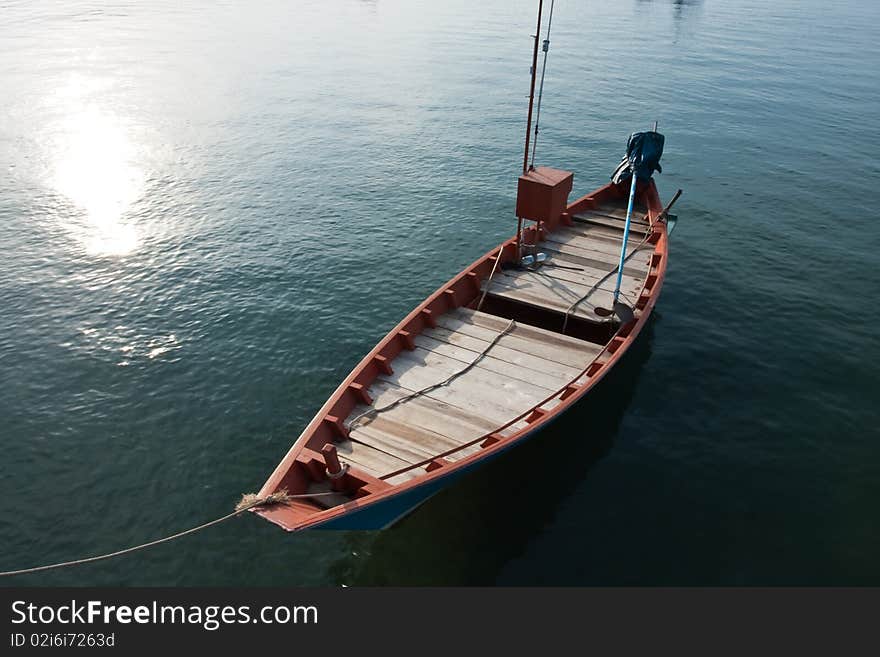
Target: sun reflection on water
x=95 y=167
x=126 y=344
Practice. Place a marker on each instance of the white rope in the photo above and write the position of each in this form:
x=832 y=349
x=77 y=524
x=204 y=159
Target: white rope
x=247 y=503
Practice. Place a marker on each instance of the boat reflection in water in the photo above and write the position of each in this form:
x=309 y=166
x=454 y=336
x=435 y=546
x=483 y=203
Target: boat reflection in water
x=455 y=536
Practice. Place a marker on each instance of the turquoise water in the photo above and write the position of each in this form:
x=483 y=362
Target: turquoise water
x=209 y=214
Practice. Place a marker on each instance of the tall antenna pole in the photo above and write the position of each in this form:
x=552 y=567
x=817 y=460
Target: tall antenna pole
x=532 y=89
x=519 y=221
x=546 y=48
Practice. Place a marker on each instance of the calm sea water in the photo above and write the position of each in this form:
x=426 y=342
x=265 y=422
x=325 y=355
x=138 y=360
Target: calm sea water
x=209 y=212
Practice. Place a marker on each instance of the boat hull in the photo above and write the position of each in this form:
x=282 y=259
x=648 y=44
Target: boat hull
x=378 y=504
x=386 y=513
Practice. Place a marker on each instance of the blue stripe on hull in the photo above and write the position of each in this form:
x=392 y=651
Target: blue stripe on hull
x=387 y=512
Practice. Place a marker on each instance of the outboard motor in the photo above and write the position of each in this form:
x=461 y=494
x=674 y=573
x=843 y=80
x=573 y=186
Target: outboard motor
x=643 y=153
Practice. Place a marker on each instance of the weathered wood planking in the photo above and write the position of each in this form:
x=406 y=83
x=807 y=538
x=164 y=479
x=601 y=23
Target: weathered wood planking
x=407 y=443
x=524 y=338
x=605 y=251
x=610 y=222
x=618 y=210
x=598 y=233
x=568 y=257
x=470 y=405
x=556 y=291
x=467 y=395
x=541 y=335
x=463 y=357
x=492 y=392
x=417 y=371
x=467 y=348
x=327 y=497
x=629 y=284
x=424 y=412
x=639 y=262
x=512 y=354
x=590 y=243
x=578 y=275
x=425 y=441
x=370 y=460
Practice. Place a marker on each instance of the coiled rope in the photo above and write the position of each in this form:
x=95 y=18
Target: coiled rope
x=248 y=502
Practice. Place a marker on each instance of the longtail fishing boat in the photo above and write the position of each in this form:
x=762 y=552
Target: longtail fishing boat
x=492 y=357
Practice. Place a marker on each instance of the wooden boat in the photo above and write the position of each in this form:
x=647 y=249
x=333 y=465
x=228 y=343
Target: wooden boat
x=485 y=362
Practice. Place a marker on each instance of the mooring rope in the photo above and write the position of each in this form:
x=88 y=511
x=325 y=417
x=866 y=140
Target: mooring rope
x=251 y=500
x=248 y=502
x=424 y=391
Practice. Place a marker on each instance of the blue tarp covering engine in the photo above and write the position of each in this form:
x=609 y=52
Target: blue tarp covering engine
x=643 y=153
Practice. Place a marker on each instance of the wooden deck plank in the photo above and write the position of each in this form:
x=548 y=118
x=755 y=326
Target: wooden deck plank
x=440 y=417
x=608 y=257
x=467 y=395
x=406 y=448
x=520 y=338
x=569 y=256
x=591 y=243
x=455 y=342
x=421 y=441
x=457 y=424
x=463 y=357
x=618 y=210
x=526 y=365
x=327 y=497
x=609 y=222
x=496 y=323
x=370 y=460
x=638 y=262
x=600 y=233
x=543 y=297
x=585 y=279
x=533 y=338
x=450 y=366
x=421 y=368
x=557 y=289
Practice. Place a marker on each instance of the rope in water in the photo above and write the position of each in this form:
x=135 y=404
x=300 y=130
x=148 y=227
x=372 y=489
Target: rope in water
x=248 y=502
x=251 y=501
x=424 y=391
